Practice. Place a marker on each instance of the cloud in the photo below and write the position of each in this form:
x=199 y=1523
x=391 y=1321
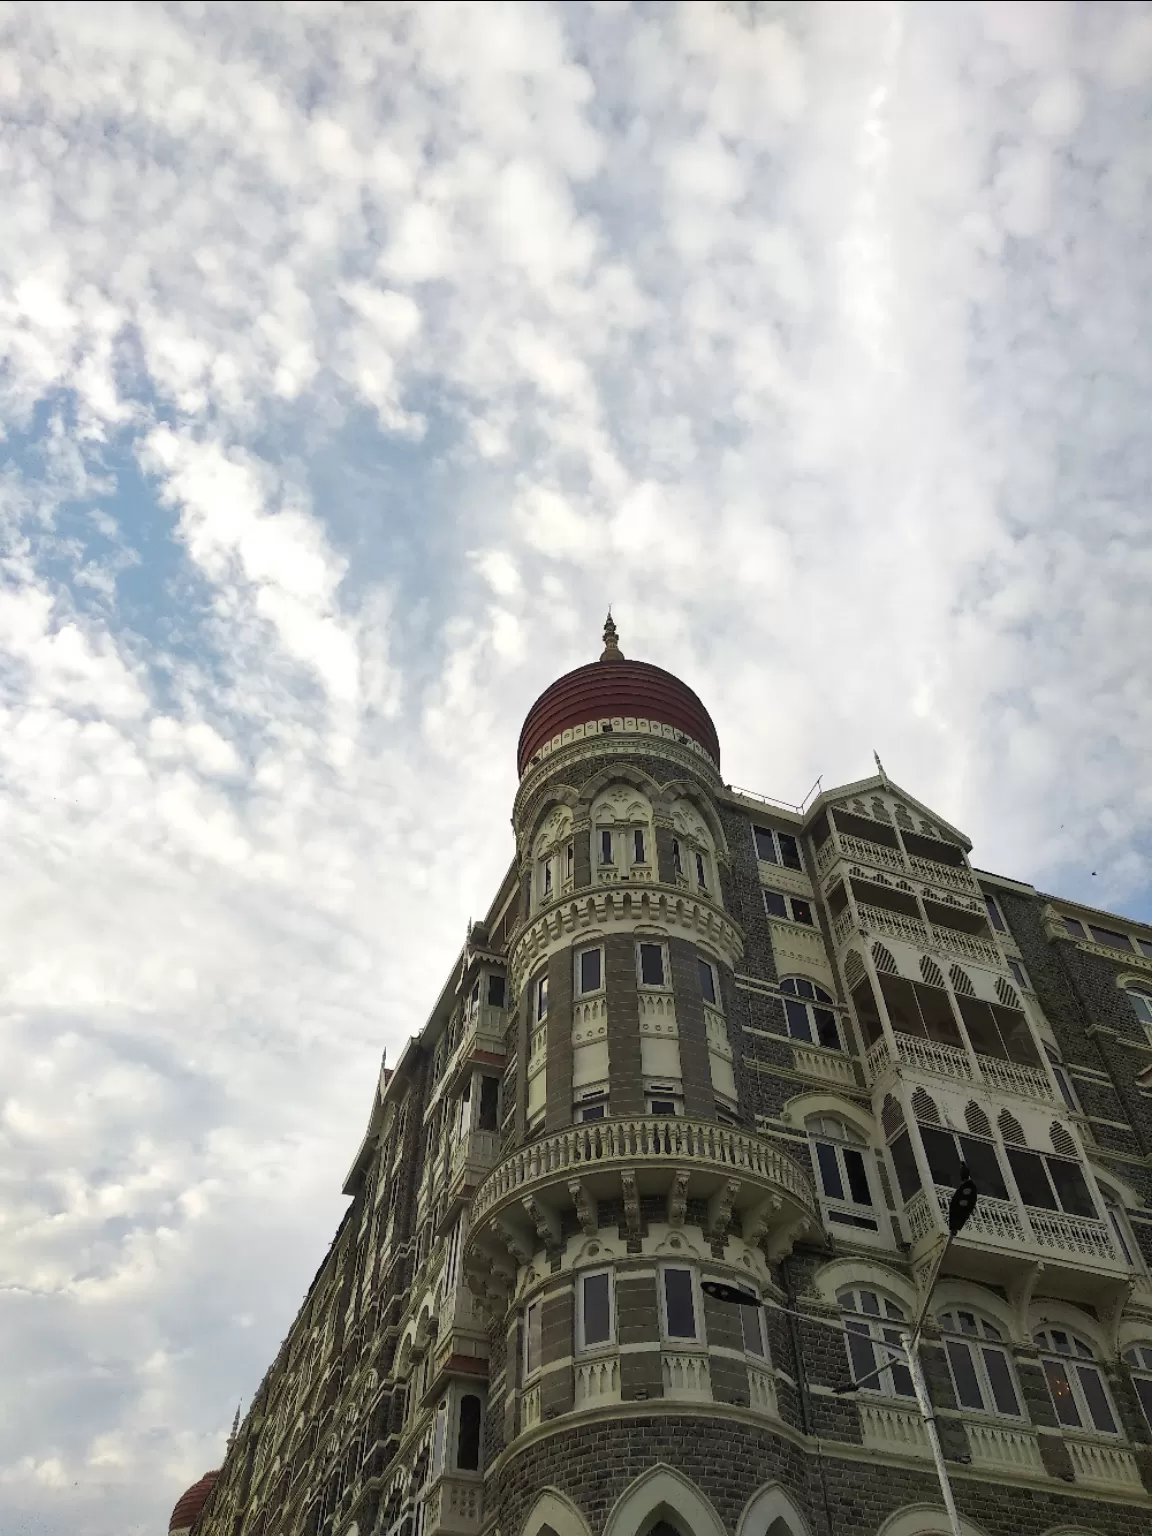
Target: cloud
x=354 y=359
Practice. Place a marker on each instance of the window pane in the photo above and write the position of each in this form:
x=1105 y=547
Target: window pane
x=802 y=912
x=1119 y=1234
x=1143 y=1387
x=592 y=1112
x=984 y=1167
x=981 y=1026
x=936 y=1011
x=1074 y=1194
x=468 y=1442
x=1018 y=975
x=1075 y=928
x=798 y=1026
x=902 y=1009
x=901 y=1376
x=943 y=1158
x=1031 y=1180
x=605 y=847
x=495 y=991
x=597 y=1318
x=904 y=1161
x=1092 y=1386
x=542 y=997
x=826 y=1028
x=775 y=904
x=489 y=1102
x=1000 y=1378
x=663 y=1106
x=789 y=852
x=652 y=965
x=532 y=1339
x=994 y=915
x=753 y=1338
x=638 y=847
x=678 y=1302
x=864 y=1001
x=857 y=1177
x=590 y=971
x=968 y=1393
x=1017 y=1037
x=1062 y=1399
x=700 y=869
x=829 y=1171
x=1065 y=1086
x=676 y=865
x=1110 y=938
x=861 y=1355
x=765 y=847
x=707 y=981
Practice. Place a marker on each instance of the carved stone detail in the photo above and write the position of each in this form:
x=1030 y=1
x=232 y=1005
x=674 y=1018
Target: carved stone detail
x=678 y=1198
x=585 y=1207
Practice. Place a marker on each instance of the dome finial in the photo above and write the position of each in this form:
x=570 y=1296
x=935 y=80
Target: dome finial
x=612 y=651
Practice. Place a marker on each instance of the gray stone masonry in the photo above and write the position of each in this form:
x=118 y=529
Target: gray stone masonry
x=625 y=1078
x=558 y=1067
x=557 y=1319
x=695 y=1067
x=638 y=1322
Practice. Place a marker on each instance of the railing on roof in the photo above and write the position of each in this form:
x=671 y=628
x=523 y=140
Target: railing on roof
x=751 y=794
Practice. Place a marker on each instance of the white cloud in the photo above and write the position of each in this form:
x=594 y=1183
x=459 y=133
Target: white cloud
x=353 y=362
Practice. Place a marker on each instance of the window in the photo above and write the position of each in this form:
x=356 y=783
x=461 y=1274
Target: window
x=594 y=1320
x=946 y=1150
x=1063 y=1081
x=1018 y=975
x=592 y=1106
x=1120 y=1231
x=547 y=883
x=838 y=1150
x=532 y=1339
x=1075 y=928
x=542 y=998
x=791 y=907
x=1110 y=938
x=605 y=846
x=995 y=916
x=981 y=1370
x=638 y=847
x=677 y=866
x=663 y=1101
x=569 y=861
x=1075 y=1383
x=589 y=971
x=1051 y=1183
x=755 y=1334
x=707 y=976
x=809 y=1013
x=777 y=848
x=1141 y=1004
x=679 y=1310
x=468 y=1437
x=1139 y=1357
x=489 y=1104
x=651 y=965
x=701 y=876
x=496 y=991
x=869 y=1316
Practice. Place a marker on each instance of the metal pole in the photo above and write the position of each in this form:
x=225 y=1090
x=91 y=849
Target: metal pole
x=929 y=1417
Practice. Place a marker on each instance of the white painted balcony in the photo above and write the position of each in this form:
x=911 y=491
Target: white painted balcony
x=482 y=1033
x=1004 y=1448
x=828 y=1066
x=840 y=846
x=934 y=1056
x=943 y=874
x=894 y=1430
x=1002 y=1240
x=473 y=1156
x=1014 y=1077
x=898 y=925
x=455 y=1505
x=1103 y=1464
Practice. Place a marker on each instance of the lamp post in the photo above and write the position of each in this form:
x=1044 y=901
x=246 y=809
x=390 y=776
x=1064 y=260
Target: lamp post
x=960 y=1208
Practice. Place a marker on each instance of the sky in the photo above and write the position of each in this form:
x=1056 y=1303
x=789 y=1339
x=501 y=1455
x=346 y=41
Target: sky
x=353 y=359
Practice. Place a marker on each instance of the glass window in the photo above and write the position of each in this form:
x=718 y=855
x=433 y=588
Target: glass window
x=532 y=1337
x=707 y=981
x=843 y=1173
x=592 y=1111
x=594 y=1322
x=652 y=965
x=789 y=851
x=994 y=915
x=489 y=1104
x=496 y=991
x=1063 y=1081
x=1051 y=1183
x=811 y=1021
x=468 y=1439
x=542 y=998
x=1145 y=947
x=638 y=847
x=1077 y=1388
x=1139 y=1359
x=605 y=846
x=777 y=848
x=701 y=878
x=1018 y=974
x=765 y=845
x=981 y=1370
x=547 y=876
x=569 y=861
x=1109 y=937
x=589 y=974
x=869 y=1316
x=802 y=912
x=676 y=864
x=791 y=907
x=904 y=1162
x=752 y=1327
x=775 y=903
x=946 y=1150
x=1141 y=1004
x=679 y=1304
x=1075 y=928
x=663 y=1106
x=1119 y=1228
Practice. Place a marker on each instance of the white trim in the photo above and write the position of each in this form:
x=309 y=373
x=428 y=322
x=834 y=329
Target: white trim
x=663 y=1492
x=582 y=1278
x=653 y=986
x=765 y=1510
x=553 y=1509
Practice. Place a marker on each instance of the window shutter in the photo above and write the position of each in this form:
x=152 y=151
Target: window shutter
x=976 y=1120
x=1010 y=1128
x=884 y=961
x=931 y=972
x=1062 y=1143
x=924 y=1108
x=962 y=982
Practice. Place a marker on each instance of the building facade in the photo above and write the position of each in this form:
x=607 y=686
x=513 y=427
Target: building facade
x=704 y=1037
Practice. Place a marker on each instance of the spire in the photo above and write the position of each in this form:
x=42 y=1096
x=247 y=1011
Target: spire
x=612 y=651
x=880 y=766
x=235 y=1427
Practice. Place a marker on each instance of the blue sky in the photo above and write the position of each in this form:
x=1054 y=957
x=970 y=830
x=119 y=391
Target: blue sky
x=352 y=360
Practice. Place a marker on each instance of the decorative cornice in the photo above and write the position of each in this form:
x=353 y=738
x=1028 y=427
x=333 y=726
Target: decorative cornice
x=619 y=742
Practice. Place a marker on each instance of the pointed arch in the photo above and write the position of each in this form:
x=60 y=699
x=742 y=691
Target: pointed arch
x=772 y=1512
x=615 y=773
x=925 y=1520
x=687 y=789
x=662 y=1493
x=553 y=1512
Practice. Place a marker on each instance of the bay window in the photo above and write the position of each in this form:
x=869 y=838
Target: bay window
x=946 y=1150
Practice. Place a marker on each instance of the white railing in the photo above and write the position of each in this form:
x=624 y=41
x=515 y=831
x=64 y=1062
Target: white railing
x=934 y=1056
x=942 y=874
x=686 y=1375
x=597 y=1381
x=999 y=1448
x=673 y=1141
x=762 y=1391
x=959 y=943
x=826 y=856
x=477 y=1150
x=870 y=853
x=878 y=1059
x=843 y=926
x=879 y=920
x=530 y=1408
x=899 y=1430
x=1107 y=1466
x=1072 y=1234
x=831 y=1066
x=1011 y=1077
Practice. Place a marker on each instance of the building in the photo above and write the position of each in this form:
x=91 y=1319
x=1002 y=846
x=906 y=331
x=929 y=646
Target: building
x=702 y=1036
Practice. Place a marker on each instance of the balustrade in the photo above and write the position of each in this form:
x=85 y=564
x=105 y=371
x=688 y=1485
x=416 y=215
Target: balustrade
x=686 y=1375
x=942 y=874
x=1104 y=1465
x=597 y=1381
x=999 y=1448
x=831 y=1066
x=1012 y=1077
x=1003 y=1223
x=899 y=1431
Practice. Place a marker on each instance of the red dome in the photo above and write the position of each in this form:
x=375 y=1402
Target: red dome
x=189 y=1505
x=615 y=689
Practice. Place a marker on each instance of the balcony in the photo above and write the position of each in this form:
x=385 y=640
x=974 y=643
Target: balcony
x=1003 y=1448
x=898 y=925
x=1007 y=1244
x=482 y=1038
x=943 y=1060
x=840 y=846
x=519 y=1206
x=454 y=1505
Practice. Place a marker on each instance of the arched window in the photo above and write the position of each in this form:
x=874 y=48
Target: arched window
x=623 y=845
x=1141 y=1003
x=553 y=857
x=809 y=1011
x=694 y=849
x=841 y=1156
x=869 y=1316
x=1139 y=1361
x=1075 y=1382
x=981 y=1368
x=468 y=1438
